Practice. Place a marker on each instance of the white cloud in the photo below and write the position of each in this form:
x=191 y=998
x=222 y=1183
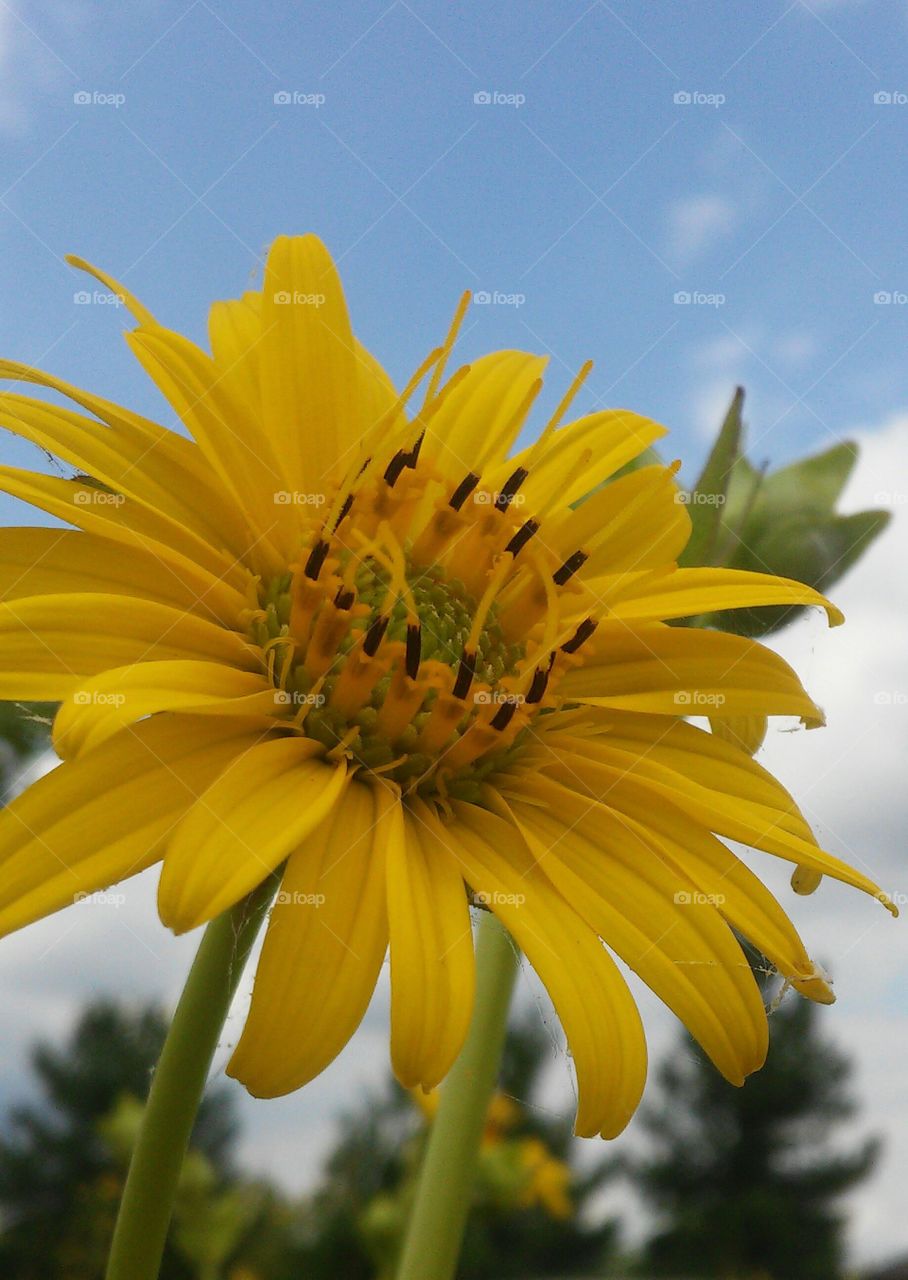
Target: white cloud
x=695 y=223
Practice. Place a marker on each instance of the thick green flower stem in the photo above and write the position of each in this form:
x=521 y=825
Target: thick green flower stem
x=176 y=1090
x=435 y=1230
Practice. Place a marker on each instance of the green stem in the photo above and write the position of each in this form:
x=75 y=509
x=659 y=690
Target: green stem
x=176 y=1090
x=439 y=1216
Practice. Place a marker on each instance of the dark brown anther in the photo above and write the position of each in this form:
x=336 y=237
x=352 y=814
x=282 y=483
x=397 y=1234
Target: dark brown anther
x=540 y=684
x=344 y=599
x=569 y=568
x=526 y=531
x=375 y=635
x=463 y=491
x=395 y=467
x=580 y=636
x=465 y=674
x=414 y=650
x=344 y=511
x=413 y=454
x=511 y=485
x=505 y=714
x=316 y=559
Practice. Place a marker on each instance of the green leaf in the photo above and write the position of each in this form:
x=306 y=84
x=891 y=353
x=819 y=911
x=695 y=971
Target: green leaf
x=709 y=494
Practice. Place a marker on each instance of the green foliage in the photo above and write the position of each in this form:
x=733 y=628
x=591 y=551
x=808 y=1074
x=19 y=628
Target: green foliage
x=782 y=522
x=60 y=1179
x=745 y=1182
x=24 y=731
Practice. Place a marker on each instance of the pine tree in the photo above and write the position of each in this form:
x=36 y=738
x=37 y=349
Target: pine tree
x=746 y=1182
x=55 y=1168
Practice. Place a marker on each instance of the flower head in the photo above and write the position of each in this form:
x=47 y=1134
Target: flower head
x=355 y=633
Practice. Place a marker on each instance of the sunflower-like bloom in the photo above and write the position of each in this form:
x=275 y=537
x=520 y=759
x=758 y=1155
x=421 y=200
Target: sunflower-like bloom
x=368 y=643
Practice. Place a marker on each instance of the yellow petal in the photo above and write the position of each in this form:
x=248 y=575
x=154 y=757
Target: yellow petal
x=632 y=524
x=580 y=456
x=310 y=390
x=745 y=732
x=224 y=427
x=244 y=826
x=684 y=593
x=106 y=816
x=178 y=462
x=480 y=418
x=739 y=809
x=323 y=950
x=681 y=671
x=109 y=702
x=141 y=313
x=40 y=562
x=214 y=577
x=591 y=998
x=49 y=643
x=686 y=844
x=432 y=973
x=653 y=917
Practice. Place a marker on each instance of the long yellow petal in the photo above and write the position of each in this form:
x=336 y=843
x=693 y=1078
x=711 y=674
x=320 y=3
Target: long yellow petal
x=214 y=577
x=481 y=418
x=43 y=562
x=187 y=473
x=119 y=697
x=323 y=950
x=591 y=998
x=94 y=821
x=632 y=524
x=684 y=593
x=224 y=427
x=680 y=671
x=310 y=390
x=97 y=451
x=432 y=971
x=244 y=826
x=49 y=643
x=580 y=456
x=654 y=918
x=635 y=785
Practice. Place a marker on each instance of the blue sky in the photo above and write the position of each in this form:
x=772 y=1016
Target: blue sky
x=596 y=199
x=582 y=199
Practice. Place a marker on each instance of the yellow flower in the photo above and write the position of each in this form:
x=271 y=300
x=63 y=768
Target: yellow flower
x=547 y=1179
x=371 y=644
